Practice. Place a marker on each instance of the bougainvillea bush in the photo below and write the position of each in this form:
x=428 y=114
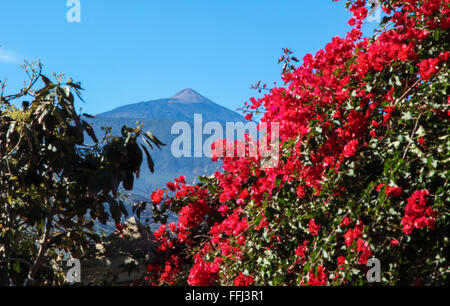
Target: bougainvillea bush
x=363 y=170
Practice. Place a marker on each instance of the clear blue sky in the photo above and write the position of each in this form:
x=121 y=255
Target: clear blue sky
x=130 y=51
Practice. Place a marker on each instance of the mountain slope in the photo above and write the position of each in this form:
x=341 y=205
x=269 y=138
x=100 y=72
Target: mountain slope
x=180 y=107
x=158 y=116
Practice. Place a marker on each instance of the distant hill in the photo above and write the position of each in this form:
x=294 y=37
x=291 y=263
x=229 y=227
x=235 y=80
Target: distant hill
x=158 y=116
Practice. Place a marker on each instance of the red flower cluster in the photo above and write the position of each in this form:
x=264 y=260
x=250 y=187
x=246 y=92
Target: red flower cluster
x=300 y=251
x=350 y=148
x=243 y=280
x=301 y=192
x=363 y=248
x=429 y=66
x=417 y=213
x=203 y=273
x=313 y=228
x=330 y=95
x=233 y=226
x=318 y=279
x=341 y=262
x=345 y=222
x=157 y=196
x=354 y=233
x=391 y=190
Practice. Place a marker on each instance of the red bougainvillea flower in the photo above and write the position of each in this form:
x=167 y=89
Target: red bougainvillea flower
x=391 y=190
x=388 y=114
x=341 y=262
x=173 y=227
x=313 y=228
x=350 y=148
x=241 y=240
x=159 y=233
x=157 y=196
x=427 y=68
x=172 y=186
x=363 y=247
x=181 y=179
x=203 y=273
x=319 y=279
x=300 y=251
x=244 y=194
x=351 y=22
x=422 y=143
x=242 y=280
x=223 y=209
x=394 y=242
x=153 y=268
x=345 y=222
x=300 y=192
x=353 y=233
x=417 y=213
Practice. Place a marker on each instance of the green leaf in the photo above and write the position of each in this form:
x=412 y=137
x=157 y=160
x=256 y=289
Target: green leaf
x=151 y=164
x=89 y=130
x=16 y=267
x=153 y=139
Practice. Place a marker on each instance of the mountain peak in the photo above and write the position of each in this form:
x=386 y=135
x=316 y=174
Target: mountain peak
x=180 y=107
x=190 y=96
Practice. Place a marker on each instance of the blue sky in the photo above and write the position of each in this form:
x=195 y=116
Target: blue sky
x=130 y=51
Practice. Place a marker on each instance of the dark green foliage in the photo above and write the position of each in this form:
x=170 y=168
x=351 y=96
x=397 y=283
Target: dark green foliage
x=54 y=186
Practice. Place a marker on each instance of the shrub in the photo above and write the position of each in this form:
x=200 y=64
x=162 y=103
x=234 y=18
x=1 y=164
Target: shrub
x=363 y=170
